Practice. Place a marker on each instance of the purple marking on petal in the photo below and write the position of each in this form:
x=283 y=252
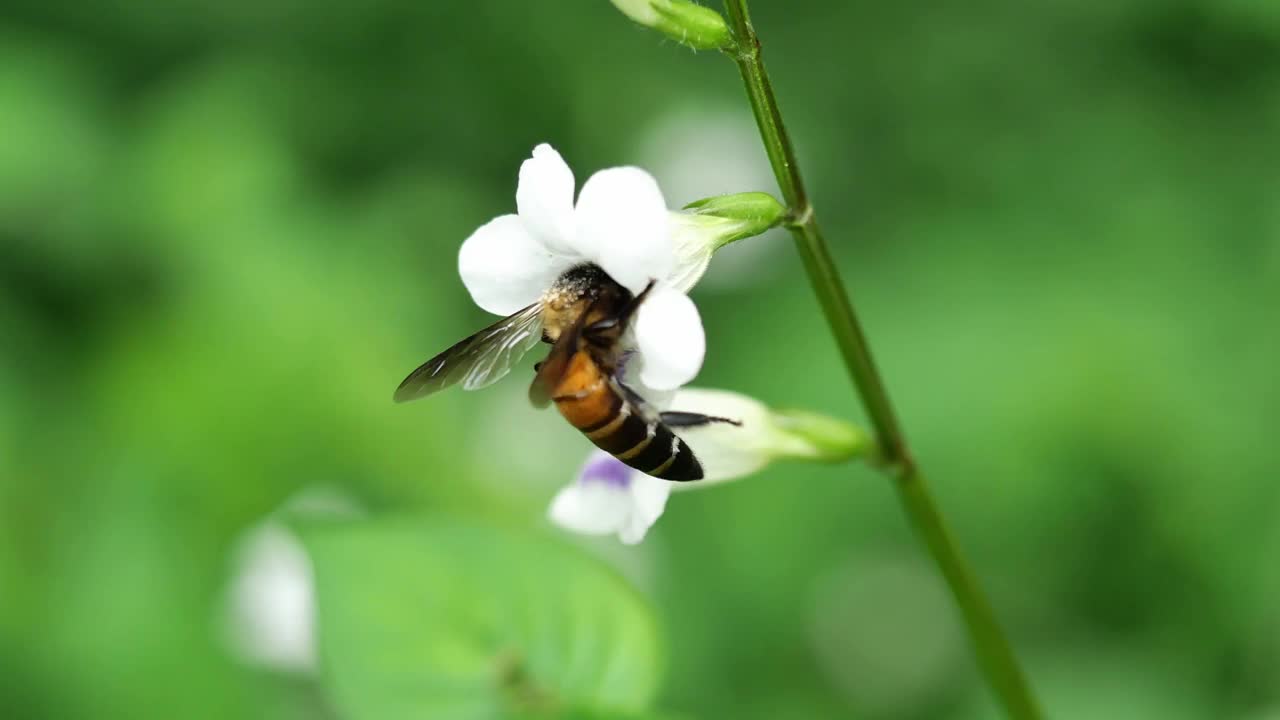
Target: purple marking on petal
x=607 y=470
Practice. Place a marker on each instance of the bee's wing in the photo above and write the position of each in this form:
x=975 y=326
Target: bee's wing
x=480 y=360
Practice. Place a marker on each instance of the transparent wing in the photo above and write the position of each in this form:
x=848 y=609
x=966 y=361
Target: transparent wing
x=554 y=367
x=480 y=360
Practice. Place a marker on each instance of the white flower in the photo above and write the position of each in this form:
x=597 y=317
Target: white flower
x=608 y=497
x=272 y=608
x=694 y=239
x=619 y=223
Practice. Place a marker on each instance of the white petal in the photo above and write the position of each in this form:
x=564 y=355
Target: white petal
x=693 y=242
x=632 y=368
x=504 y=268
x=722 y=403
x=622 y=226
x=272 y=597
x=544 y=199
x=609 y=497
x=649 y=499
x=726 y=451
x=639 y=10
x=591 y=509
x=599 y=501
x=669 y=335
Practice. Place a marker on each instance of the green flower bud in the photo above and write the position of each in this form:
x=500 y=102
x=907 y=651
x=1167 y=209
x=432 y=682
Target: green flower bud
x=762 y=435
x=821 y=437
x=749 y=213
x=685 y=22
x=709 y=224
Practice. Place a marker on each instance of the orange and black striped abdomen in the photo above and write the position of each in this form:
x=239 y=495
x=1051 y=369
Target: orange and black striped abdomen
x=587 y=400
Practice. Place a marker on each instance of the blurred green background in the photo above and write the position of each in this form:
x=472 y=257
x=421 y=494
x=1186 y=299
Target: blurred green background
x=228 y=229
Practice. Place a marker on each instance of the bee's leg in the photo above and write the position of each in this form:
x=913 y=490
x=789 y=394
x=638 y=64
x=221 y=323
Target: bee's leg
x=631 y=395
x=641 y=406
x=631 y=307
x=677 y=419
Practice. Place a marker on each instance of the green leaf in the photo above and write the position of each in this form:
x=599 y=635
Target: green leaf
x=432 y=617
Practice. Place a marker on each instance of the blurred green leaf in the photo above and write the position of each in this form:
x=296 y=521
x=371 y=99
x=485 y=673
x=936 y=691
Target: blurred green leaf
x=439 y=618
x=586 y=715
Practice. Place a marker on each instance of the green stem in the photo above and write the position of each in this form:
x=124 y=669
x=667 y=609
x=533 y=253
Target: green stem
x=994 y=653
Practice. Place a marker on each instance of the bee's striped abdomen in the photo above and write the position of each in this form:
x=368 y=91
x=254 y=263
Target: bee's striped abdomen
x=649 y=447
x=590 y=403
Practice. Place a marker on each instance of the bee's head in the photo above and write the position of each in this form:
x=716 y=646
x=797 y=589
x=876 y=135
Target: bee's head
x=584 y=284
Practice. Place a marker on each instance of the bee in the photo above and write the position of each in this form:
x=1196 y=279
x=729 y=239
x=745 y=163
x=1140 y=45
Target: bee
x=583 y=317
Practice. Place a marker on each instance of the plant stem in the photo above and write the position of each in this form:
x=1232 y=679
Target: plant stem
x=993 y=651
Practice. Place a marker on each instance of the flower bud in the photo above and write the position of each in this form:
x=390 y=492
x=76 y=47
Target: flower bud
x=687 y=23
x=753 y=212
x=707 y=225
x=729 y=451
x=821 y=438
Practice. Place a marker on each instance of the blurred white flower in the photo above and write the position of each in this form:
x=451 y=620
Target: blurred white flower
x=620 y=224
x=608 y=497
x=270 y=615
x=272 y=604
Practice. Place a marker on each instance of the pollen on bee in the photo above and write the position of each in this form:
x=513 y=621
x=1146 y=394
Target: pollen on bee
x=569 y=295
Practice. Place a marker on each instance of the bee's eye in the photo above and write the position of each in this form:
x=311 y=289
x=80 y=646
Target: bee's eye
x=602 y=325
